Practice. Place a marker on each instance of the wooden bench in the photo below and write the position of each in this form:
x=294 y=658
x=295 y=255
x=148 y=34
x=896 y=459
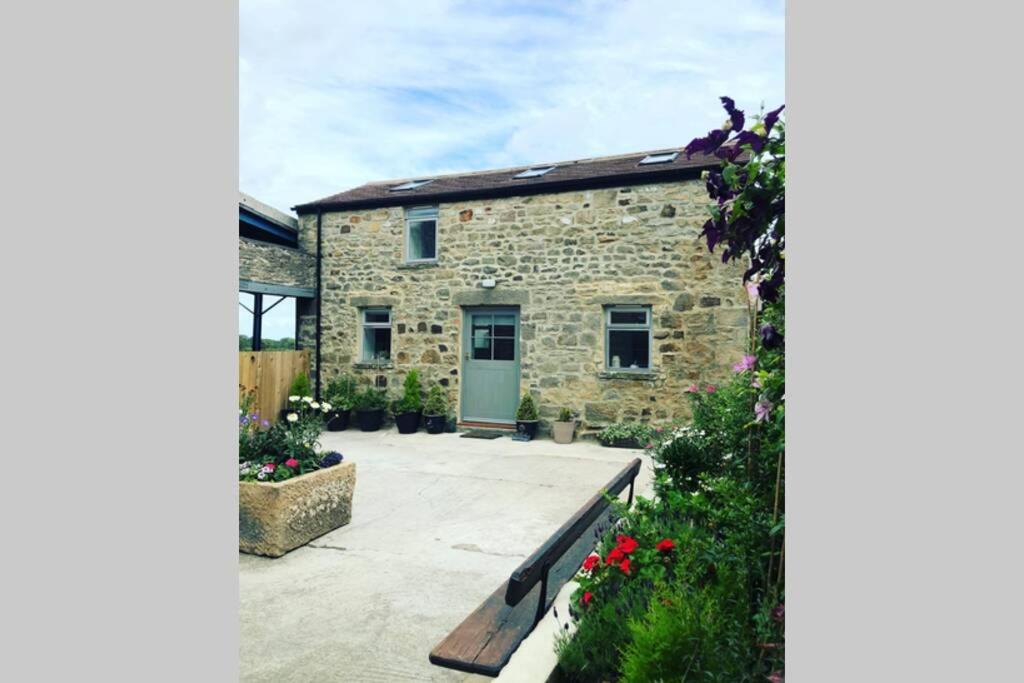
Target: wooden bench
x=486 y=639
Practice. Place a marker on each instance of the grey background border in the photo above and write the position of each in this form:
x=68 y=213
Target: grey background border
x=120 y=186
x=120 y=182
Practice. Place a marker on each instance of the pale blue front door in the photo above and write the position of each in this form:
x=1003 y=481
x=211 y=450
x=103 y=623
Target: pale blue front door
x=490 y=365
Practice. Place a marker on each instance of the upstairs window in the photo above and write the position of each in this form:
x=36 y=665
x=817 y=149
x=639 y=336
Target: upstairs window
x=411 y=185
x=628 y=337
x=376 y=335
x=534 y=172
x=661 y=158
x=421 y=234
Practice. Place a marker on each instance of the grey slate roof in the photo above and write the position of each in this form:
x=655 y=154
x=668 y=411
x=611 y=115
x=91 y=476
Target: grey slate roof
x=596 y=172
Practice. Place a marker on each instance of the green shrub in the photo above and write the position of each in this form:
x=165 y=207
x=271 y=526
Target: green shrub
x=412 y=395
x=371 y=399
x=300 y=386
x=527 y=411
x=639 y=432
x=565 y=415
x=681 y=455
x=341 y=392
x=437 y=402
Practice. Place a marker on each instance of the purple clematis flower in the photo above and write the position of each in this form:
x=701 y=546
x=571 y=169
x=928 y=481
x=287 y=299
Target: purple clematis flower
x=770 y=337
x=706 y=145
x=762 y=409
x=771 y=117
x=735 y=115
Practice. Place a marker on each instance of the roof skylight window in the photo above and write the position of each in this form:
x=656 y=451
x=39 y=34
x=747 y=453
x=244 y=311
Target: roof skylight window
x=663 y=158
x=534 y=172
x=411 y=185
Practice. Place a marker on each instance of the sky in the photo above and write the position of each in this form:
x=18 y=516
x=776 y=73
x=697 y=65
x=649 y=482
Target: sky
x=336 y=94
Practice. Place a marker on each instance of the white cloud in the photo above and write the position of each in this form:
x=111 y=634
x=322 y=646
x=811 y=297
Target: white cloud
x=333 y=94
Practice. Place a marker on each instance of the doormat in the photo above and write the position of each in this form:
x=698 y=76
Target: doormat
x=483 y=434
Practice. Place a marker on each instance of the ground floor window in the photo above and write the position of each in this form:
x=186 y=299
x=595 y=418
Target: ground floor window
x=376 y=334
x=628 y=337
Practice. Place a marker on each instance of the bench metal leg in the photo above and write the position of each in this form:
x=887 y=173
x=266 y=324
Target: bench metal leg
x=542 y=605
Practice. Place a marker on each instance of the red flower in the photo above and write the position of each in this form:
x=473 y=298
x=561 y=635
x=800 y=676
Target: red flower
x=626 y=544
x=270 y=467
x=587 y=597
x=665 y=545
x=624 y=566
x=615 y=556
x=291 y=462
x=589 y=563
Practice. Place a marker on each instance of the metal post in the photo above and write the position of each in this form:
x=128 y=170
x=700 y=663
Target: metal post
x=629 y=501
x=542 y=605
x=257 y=322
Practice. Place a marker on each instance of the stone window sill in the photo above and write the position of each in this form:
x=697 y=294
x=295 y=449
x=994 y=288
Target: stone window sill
x=640 y=375
x=418 y=265
x=363 y=365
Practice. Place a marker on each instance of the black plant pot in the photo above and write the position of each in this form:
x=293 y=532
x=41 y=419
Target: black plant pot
x=628 y=442
x=338 y=421
x=435 y=423
x=528 y=427
x=408 y=423
x=370 y=420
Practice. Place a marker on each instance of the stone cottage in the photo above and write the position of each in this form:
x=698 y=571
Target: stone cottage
x=582 y=282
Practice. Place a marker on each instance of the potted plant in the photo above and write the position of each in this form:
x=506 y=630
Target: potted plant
x=341 y=393
x=369 y=407
x=564 y=427
x=436 y=410
x=626 y=435
x=526 y=416
x=407 y=410
x=289 y=492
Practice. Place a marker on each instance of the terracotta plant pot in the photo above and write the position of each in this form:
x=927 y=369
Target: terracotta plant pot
x=408 y=423
x=563 y=431
x=370 y=420
x=338 y=421
x=435 y=423
x=528 y=427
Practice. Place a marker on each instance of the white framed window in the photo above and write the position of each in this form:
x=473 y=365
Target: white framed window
x=420 y=234
x=662 y=158
x=376 y=323
x=627 y=340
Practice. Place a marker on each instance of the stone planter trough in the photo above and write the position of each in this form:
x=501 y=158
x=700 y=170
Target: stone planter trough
x=280 y=516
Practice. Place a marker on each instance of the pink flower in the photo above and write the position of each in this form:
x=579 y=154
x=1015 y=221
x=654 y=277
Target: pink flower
x=755 y=382
x=761 y=409
x=746 y=364
x=711 y=388
x=692 y=389
x=291 y=462
x=270 y=467
x=649 y=445
x=752 y=290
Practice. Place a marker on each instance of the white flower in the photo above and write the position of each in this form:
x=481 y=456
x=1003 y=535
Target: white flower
x=314 y=405
x=293 y=417
x=307 y=399
x=293 y=399
x=326 y=407
x=239 y=411
x=262 y=475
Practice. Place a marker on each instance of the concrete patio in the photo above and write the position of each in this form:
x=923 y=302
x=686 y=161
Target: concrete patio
x=438 y=523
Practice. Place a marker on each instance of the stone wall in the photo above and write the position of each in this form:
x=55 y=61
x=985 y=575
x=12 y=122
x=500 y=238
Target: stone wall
x=561 y=258
x=274 y=264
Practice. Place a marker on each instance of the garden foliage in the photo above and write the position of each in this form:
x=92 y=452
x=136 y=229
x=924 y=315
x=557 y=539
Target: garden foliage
x=412 y=395
x=437 y=403
x=527 y=411
x=689 y=586
x=285 y=449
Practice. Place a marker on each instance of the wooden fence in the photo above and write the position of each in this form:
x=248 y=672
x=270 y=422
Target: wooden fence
x=269 y=374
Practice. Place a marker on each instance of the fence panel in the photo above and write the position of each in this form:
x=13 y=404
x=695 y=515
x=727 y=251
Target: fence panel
x=269 y=374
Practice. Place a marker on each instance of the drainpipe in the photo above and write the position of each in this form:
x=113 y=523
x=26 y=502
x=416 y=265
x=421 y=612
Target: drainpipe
x=319 y=257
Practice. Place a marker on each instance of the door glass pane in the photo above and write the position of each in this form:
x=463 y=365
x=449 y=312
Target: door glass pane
x=629 y=317
x=422 y=240
x=481 y=337
x=504 y=325
x=378 y=316
x=504 y=349
x=628 y=349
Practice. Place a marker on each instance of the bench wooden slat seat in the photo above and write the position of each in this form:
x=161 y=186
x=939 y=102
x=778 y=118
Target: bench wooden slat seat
x=484 y=642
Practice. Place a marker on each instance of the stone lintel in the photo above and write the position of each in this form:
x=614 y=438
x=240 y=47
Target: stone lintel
x=491 y=297
x=626 y=299
x=367 y=301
